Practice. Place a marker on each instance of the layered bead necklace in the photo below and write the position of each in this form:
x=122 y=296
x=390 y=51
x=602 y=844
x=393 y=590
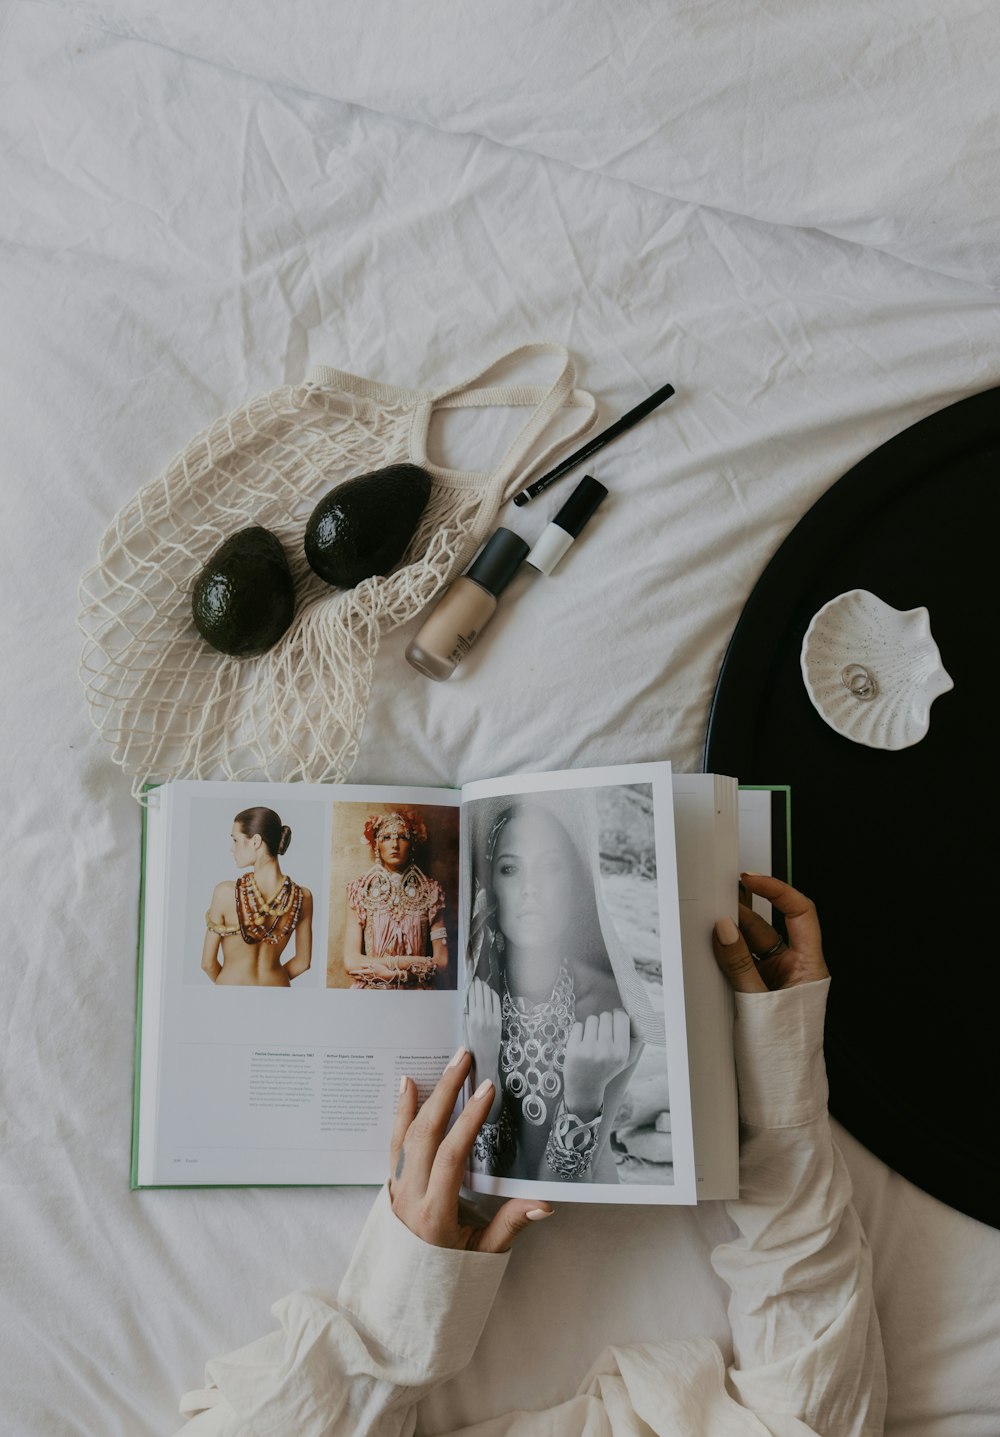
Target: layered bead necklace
x=533 y=1046
x=265 y=920
x=382 y=891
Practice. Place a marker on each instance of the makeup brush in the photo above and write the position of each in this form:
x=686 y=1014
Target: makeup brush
x=598 y=442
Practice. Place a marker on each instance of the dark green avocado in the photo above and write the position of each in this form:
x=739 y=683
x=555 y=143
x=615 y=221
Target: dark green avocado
x=244 y=597
x=362 y=527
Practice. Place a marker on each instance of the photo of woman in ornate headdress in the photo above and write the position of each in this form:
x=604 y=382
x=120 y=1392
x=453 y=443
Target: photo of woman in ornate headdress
x=557 y=1015
x=251 y=921
x=395 y=934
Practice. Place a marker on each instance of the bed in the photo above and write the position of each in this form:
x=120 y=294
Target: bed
x=791 y=215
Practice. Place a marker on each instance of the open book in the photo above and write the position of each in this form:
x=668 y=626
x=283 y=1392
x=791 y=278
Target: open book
x=303 y=947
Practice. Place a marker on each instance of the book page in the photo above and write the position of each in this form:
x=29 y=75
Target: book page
x=574 y=986
x=705 y=814
x=273 y=1046
x=765 y=837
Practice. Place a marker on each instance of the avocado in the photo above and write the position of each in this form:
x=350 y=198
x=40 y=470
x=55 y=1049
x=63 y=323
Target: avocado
x=362 y=527
x=244 y=597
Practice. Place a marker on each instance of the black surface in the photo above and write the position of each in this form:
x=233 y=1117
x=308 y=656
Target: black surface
x=897 y=849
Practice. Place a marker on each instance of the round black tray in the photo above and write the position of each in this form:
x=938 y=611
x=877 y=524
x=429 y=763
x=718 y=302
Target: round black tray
x=898 y=849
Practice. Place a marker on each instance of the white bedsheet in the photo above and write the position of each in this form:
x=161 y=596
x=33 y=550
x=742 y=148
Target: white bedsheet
x=792 y=217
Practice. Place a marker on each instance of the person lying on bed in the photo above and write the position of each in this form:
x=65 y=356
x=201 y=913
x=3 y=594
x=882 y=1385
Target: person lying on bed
x=413 y=1303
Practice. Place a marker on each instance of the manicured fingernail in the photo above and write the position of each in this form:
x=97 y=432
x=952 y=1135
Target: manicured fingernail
x=727 y=932
x=537 y=1213
x=402 y=1084
x=458 y=1057
x=483 y=1089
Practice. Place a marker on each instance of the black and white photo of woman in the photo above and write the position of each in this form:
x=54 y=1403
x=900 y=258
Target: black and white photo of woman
x=556 y=1013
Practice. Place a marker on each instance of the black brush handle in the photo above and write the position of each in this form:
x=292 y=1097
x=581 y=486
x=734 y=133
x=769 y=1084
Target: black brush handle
x=598 y=442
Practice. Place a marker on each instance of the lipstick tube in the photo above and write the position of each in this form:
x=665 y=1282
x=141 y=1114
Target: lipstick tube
x=558 y=536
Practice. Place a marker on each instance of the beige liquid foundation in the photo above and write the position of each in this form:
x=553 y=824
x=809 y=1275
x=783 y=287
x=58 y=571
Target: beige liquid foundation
x=467 y=606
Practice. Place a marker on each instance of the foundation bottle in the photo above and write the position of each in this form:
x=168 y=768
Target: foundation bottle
x=466 y=607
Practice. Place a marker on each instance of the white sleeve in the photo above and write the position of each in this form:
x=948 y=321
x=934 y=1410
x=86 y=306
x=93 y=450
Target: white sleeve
x=806 y=1338
x=407 y=1317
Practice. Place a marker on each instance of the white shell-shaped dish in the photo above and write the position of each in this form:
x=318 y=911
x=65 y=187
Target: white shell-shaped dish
x=860 y=630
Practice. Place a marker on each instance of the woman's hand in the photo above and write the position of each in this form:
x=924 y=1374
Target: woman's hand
x=384 y=972
x=483 y=1027
x=596 y=1052
x=754 y=957
x=429 y=1162
x=301 y=960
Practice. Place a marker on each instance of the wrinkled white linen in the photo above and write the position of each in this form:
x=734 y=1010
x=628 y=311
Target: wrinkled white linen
x=175 y=236
x=808 y=1352
x=878 y=126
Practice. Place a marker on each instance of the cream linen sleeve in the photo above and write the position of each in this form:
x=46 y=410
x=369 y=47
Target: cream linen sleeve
x=808 y=1351
x=407 y=1316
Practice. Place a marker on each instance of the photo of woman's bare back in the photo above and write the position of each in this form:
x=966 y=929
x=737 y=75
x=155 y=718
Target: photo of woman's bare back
x=258 y=928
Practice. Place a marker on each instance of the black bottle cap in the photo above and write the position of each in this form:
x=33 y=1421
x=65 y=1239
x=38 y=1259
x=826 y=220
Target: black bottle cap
x=498 y=561
x=580 y=505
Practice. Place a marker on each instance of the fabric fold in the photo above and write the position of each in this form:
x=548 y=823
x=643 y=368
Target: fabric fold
x=753 y=111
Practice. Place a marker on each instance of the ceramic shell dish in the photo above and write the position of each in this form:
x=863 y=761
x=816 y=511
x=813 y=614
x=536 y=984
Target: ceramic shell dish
x=873 y=671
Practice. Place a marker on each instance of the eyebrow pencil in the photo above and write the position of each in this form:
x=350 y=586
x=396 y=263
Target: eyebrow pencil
x=598 y=442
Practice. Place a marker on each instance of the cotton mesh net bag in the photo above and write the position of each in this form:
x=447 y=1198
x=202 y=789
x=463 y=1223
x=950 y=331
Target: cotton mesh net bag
x=173 y=707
